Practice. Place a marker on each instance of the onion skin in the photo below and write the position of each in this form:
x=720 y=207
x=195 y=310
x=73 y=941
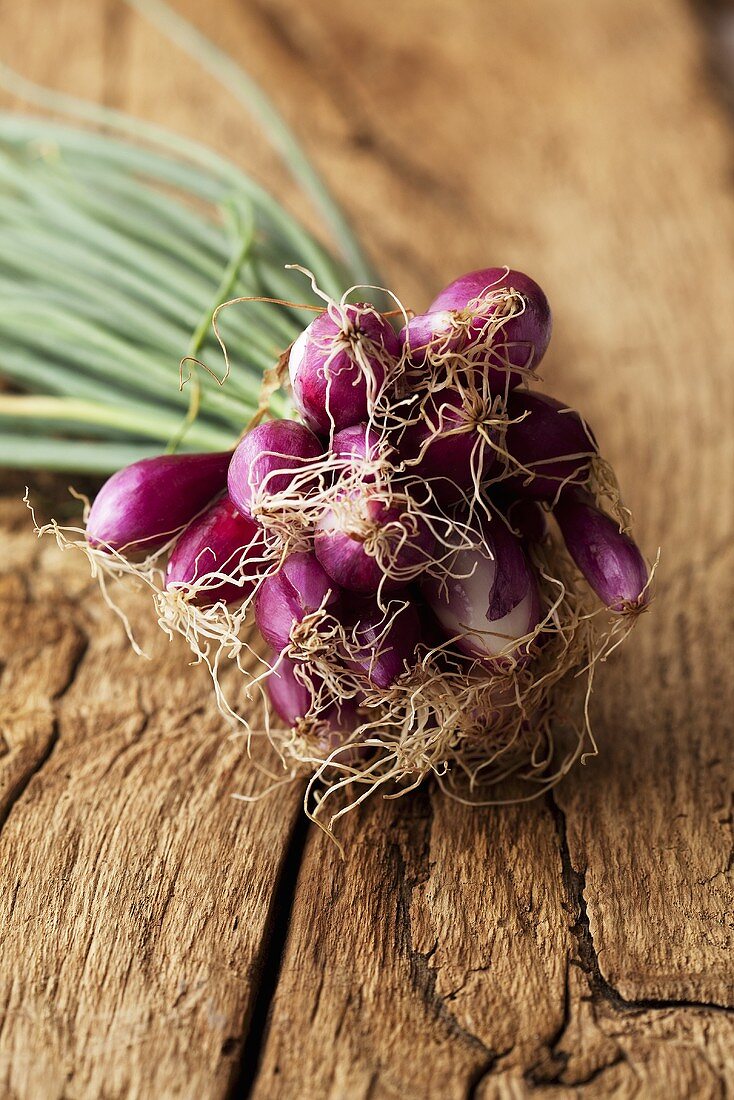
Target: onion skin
x=527 y=518
x=387 y=640
x=215 y=542
x=339 y=541
x=361 y=454
x=446 y=459
x=609 y=559
x=330 y=386
x=498 y=602
x=300 y=587
x=143 y=505
x=431 y=334
x=279 y=445
x=523 y=340
x=292 y=701
x=356 y=444
x=553 y=441
x=344 y=530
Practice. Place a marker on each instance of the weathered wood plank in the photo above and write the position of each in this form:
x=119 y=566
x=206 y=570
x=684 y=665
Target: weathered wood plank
x=38 y=658
x=137 y=894
x=584 y=944
x=577 y=944
x=397 y=983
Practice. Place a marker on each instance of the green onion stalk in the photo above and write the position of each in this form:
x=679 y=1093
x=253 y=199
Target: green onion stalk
x=119 y=240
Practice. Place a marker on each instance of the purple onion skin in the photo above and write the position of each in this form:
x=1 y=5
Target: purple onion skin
x=292 y=700
x=543 y=441
x=300 y=587
x=356 y=444
x=329 y=385
x=499 y=601
x=275 y=445
x=142 y=506
x=527 y=518
x=447 y=460
x=609 y=560
x=387 y=640
x=340 y=547
x=523 y=340
x=435 y=333
x=215 y=543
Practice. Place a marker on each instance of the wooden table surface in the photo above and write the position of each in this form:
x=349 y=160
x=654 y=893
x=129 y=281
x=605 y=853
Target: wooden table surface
x=160 y=939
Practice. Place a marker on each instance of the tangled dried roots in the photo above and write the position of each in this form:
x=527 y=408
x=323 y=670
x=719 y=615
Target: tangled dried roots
x=487 y=733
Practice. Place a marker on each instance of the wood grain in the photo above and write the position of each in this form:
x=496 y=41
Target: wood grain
x=137 y=894
x=577 y=946
x=588 y=941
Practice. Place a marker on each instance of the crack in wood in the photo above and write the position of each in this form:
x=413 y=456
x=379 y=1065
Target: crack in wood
x=115 y=40
x=266 y=980
x=589 y=1079
x=18 y=789
x=559 y=1057
x=423 y=976
x=601 y=991
x=588 y=959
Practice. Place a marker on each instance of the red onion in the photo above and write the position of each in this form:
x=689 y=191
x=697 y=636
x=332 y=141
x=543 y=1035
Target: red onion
x=609 y=560
x=221 y=540
x=300 y=587
x=143 y=506
x=364 y=542
x=553 y=441
x=488 y=602
x=445 y=445
x=363 y=455
x=527 y=518
x=292 y=699
x=270 y=459
x=458 y=318
x=290 y=696
x=344 y=531
x=439 y=333
x=356 y=444
x=386 y=640
x=337 y=366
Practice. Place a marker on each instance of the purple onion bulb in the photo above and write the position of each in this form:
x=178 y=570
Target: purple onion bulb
x=458 y=317
x=221 y=540
x=359 y=444
x=364 y=457
x=291 y=695
x=446 y=446
x=487 y=604
x=609 y=559
x=527 y=518
x=293 y=700
x=337 y=366
x=552 y=441
x=434 y=335
x=300 y=587
x=366 y=543
x=382 y=643
x=143 y=506
x=273 y=458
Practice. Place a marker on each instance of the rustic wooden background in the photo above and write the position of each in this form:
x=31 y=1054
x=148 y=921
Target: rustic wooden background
x=158 y=938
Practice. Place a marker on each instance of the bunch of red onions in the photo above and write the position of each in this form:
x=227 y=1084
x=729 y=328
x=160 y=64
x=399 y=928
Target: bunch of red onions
x=431 y=549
